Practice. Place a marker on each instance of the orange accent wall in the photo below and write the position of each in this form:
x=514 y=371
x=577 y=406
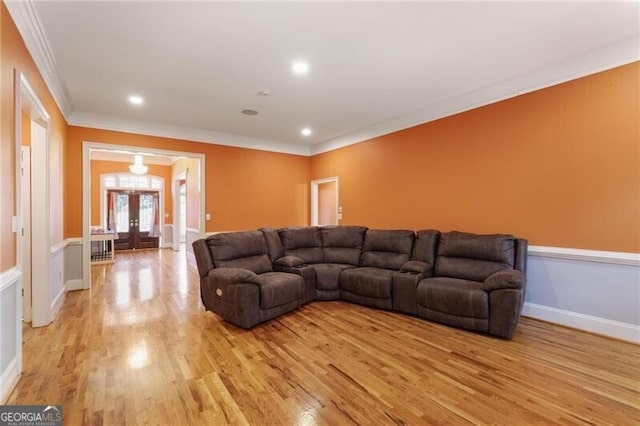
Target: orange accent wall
x=559 y=166
x=99 y=167
x=14 y=55
x=245 y=188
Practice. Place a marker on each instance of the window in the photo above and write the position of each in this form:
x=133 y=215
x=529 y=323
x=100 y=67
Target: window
x=128 y=181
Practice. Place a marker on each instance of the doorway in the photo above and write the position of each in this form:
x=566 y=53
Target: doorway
x=134 y=216
x=197 y=165
x=325 y=208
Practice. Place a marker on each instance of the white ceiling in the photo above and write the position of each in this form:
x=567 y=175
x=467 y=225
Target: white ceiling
x=374 y=67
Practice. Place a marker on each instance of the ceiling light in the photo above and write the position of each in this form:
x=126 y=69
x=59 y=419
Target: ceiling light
x=137 y=168
x=306 y=131
x=300 y=67
x=249 y=112
x=136 y=100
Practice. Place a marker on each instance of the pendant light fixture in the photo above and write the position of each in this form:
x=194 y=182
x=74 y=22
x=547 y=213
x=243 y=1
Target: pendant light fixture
x=137 y=168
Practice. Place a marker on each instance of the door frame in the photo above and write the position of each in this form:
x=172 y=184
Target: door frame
x=161 y=200
x=25 y=218
x=314 y=198
x=87 y=146
x=41 y=221
x=176 y=208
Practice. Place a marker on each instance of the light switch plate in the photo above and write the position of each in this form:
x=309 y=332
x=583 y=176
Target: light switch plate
x=207 y=216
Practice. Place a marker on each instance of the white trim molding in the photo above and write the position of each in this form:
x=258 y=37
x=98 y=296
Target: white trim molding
x=591 y=290
x=11 y=374
x=74 y=241
x=73 y=285
x=106 y=122
x=618 y=258
x=23 y=13
x=597 y=325
x=9 y=277
x=619 y=52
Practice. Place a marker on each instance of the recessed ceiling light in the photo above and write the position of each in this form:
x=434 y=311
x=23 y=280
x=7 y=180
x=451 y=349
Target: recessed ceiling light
x=300 y=67
x=306 y=131
x=249 y=112
x=136 y=100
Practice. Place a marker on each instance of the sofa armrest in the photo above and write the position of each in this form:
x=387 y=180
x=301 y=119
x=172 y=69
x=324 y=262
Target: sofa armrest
x=289 y=261
x=227 y=276
x=414 y=266
x=509 y=279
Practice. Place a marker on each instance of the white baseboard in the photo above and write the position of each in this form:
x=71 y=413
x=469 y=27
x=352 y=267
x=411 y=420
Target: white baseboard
x=72 y=285
x=9 y=380
x=57 y=302
x=619 y=330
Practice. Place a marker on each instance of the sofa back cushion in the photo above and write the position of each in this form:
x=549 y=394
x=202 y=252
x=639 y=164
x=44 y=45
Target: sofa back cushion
x=387 y=249
x=342 y=244
x=274 y=245
x=425 y=246
x=473 y=257
x=246 y=250
x=304 y=242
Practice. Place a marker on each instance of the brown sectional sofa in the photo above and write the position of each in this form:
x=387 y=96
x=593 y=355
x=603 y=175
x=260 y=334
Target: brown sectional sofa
x=476 y=282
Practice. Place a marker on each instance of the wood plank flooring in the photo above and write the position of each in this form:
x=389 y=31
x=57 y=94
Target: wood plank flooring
x=140 y=349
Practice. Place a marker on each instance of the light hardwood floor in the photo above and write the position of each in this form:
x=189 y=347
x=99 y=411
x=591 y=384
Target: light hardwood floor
x=140 y=349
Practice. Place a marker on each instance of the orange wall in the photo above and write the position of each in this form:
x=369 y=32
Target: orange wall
x=559 y=166
x=99 y=167
x=14 y=55
x=245 y=188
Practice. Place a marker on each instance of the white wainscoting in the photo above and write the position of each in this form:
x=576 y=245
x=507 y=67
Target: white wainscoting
x=73 y=264
x=57 y=277
x=192 y=235
x=10 y=335
x=167 y=236
x=590 y=290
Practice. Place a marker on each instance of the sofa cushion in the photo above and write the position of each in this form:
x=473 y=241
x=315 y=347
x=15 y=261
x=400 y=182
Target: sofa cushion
x=246 y=250
x=289 y=261
x=328 y=275
x=274 y=245
x=424 y=248
x=367 y=281
x=453 y=296
x=386 y=249
x=342 y=244
x=303 y=242
x=279 y=288
x=473 y=257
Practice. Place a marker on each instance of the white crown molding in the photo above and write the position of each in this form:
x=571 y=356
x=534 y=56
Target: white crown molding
x=104 y=122
x=24 y=14
x=613 y=257
x=612 y=55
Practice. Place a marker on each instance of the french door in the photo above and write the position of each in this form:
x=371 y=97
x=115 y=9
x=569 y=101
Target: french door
x=134 y=216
